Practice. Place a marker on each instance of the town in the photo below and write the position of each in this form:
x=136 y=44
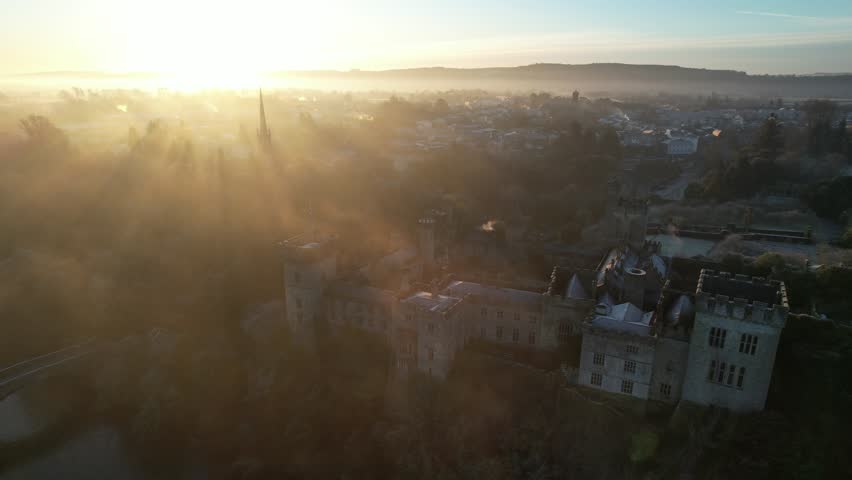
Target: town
x=212 y=274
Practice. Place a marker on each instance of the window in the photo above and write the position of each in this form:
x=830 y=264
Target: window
x=499 y=333
x=721 y=372
x=430 y=352
x=297 y=277
x=665 y=390
x=533 y=318
x=717 y=337
x=517 y=317
x=598 y=359
x=564 y=332
x=483 y=312
x=627 y=387
x=748 y=344
x=515 y=335
x=532 y=338
x=597 y=379
x=499 y=313
x=725 y=374
x=632 y=349
x=430 y=328
x=482 y=332
x=629 y=366
x=409 y=317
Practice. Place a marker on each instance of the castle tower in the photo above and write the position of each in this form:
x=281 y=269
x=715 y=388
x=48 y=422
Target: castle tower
x=309 y=267
x=264 y=135
x=738 y=322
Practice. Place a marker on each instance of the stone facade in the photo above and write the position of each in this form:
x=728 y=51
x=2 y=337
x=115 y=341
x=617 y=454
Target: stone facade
x=734 y=340
x=711 y=345
x=617 y=363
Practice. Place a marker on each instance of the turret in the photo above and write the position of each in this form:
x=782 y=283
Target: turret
x=309 y=267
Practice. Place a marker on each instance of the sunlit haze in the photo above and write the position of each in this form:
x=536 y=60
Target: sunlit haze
x=228 y=43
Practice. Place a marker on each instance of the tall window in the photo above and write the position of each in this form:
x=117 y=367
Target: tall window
x=499 y=333
x=483 y=312
x=598 y=359
x=627 y=387
x=517 y=317
x=629 y=366
x=632 y=349
x=482 y=332
x=499 y=313
x=515 y=335
x=717 y=337
x=533 y=318
x=532 y=338
x=748 y=344
x=297 y=277
x=726 y=374
x=597 y=379
x=666 y=390
x=431 y=328
x=564 y=332
x=431 y=353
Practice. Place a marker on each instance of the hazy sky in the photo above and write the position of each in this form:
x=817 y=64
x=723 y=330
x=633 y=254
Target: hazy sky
x=226 y=37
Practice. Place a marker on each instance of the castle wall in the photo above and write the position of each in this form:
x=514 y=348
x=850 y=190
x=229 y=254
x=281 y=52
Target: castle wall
x=616 y=351
x=670 y=363
x=751 y=396
x=305 y=285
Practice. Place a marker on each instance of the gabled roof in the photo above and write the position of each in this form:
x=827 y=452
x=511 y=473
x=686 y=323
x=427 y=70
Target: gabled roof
x=575 y=288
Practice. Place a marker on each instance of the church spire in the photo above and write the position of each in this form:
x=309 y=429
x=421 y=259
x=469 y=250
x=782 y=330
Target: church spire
x=264 y=135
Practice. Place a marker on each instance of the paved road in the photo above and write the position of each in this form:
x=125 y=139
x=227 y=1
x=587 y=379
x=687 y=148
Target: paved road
x=14 y=376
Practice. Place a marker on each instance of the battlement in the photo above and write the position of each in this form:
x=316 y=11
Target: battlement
x=302 y=249
x=753 y=299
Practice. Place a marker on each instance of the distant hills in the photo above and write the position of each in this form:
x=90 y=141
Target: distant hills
x=601 y=78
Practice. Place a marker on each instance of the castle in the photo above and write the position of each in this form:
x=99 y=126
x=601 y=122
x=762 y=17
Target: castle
x=645 y=330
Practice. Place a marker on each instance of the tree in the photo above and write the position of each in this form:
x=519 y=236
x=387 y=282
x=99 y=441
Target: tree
x=40 y=130
x=770 y=139
x=575 y=97
x=441 y=107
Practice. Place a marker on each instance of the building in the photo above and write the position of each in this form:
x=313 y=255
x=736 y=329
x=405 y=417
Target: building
x=738 y=322
x=682 y=146
x=264 y=134
x=645 y=330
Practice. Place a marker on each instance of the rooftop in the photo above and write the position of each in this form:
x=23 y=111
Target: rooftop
x=750 y=289
x=493 y=294
x=624 y=317
x=432 y=302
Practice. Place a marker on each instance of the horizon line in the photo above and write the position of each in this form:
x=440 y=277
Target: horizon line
x=120 y=73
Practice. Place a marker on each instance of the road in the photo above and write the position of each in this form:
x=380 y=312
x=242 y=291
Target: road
x=15 y=376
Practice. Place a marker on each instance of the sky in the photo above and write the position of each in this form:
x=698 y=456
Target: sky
x=232 y=38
